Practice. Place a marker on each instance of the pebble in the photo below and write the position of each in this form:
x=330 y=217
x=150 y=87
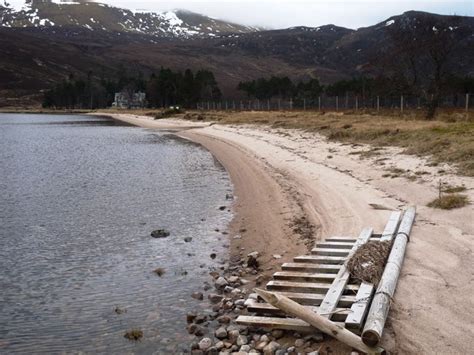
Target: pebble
x=221 y=333
x=277 y=333
x=224 y=319
x=221 y=283
x=233 y=279
x=188 y=239
x=277 y=256
x=215 y=298
x=198 y=296
x=190 y=317
x=265 y=338
x=219 y=345
x=200 y=319
x=213 y=255
x=205 y=344
x=242 y=340
x=245 y=348
x=317 y=338
x=271 y=348
x=260 y=345
x=233 y=334
x=299 y=343
x=291 y=349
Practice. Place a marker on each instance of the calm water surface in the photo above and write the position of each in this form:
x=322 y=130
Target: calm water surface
x=79 y=197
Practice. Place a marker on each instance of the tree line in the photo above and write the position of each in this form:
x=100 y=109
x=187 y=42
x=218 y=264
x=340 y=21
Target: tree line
x=364 y=87
x=164 y=88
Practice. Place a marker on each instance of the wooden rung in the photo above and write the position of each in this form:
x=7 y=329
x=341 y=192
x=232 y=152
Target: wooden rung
x=360 y=307
x=304 y=287
x=340 y=284
x=335 y=245
x=341 y=239
x=340 y=314
x=308 y=299
x=330 y=252
x=320 y=259
x=303 y=276
x=279 y=323
x=308 y=267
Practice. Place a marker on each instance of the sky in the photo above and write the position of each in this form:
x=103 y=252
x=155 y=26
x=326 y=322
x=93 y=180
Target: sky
x=286 y=13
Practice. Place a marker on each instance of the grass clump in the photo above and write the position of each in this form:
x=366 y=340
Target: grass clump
x=449 y=202
x=134 y=335
x=453 y=189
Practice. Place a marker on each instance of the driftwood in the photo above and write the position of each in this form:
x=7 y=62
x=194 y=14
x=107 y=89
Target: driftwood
x=378 y=312
x=323 y=324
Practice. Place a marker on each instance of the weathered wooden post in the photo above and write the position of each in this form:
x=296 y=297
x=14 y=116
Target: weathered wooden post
x=241 y=105
x=291 y=104
x=226 y=106
x=378 y=103
x=304 y=104
x=319 y=322
x=319 y=103
x=401 y=104
x=467 y=102
x=386 y=289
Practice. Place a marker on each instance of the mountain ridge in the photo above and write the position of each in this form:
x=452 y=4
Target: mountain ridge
x=35 y=58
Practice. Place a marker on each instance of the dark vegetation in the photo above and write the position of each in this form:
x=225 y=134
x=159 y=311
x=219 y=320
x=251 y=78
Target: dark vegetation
x=449 y=202
x=361 y=87
x=162 y=90
x=134 y=335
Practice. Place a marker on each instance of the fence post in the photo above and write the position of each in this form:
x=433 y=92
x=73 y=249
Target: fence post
x=337 y=103
x=304 y=104
x=291 y=104
x=319 y=103
x=401 y=103
x=467 y=102
x=378 y=103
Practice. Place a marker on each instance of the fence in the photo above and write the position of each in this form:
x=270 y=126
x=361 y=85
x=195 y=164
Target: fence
x=337 y=103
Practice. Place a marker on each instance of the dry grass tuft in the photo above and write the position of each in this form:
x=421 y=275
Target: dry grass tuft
x=449 y=202
x=368 y=262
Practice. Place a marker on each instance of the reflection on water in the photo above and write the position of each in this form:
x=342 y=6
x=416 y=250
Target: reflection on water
x=79 y=198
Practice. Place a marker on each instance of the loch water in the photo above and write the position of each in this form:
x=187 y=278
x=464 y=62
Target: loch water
x=79 y=196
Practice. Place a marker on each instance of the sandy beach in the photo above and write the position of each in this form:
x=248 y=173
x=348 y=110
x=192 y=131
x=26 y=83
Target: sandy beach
x=282 y=177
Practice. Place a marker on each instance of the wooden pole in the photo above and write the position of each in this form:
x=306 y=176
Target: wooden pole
x=304 y=104
x=467 y=102
x=319 y=103
x=323 y=324
x=386 y=289
x=378 y=103
x=401 y=103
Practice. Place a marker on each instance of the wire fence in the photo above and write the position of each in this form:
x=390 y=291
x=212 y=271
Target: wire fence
x=337 y=103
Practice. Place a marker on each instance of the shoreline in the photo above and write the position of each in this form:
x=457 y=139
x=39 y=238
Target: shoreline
x=296 y=174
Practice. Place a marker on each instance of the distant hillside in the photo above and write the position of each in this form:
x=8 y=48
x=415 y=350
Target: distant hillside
x=33 y=58
x=96 y=16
